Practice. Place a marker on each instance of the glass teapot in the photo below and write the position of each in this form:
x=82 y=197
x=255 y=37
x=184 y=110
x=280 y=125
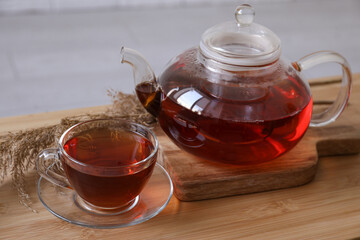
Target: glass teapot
x=234 y=99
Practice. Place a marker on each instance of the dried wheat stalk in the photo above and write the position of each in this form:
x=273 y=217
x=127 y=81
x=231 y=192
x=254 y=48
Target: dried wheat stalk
x=19 y=150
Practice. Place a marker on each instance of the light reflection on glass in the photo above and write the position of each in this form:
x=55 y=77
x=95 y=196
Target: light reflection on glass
x=191 y=99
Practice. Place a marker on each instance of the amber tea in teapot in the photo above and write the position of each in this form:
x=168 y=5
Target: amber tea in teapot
x=221 y=132
x=234 y=98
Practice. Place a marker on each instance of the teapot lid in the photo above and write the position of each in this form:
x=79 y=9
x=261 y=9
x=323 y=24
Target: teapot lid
x=241 y=42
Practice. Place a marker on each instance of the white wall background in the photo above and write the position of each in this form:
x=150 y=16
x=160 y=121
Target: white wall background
x=62 y=54
x=21 y=6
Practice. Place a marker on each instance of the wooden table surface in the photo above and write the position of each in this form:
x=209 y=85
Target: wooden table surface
x=326 y=208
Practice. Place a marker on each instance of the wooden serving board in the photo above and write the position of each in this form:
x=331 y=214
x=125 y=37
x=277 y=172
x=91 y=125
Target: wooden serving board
x=327 y=208
x=197 y=179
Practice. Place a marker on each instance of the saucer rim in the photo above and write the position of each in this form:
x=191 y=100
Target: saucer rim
x=110 y=226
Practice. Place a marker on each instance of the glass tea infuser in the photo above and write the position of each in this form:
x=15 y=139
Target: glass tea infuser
x=234 y=98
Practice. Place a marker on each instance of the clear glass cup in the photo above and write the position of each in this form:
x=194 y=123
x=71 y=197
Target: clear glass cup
x=106 y=162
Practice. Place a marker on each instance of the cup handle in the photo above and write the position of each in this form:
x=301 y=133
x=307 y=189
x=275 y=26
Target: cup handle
x=46 y=172
x=334 y=111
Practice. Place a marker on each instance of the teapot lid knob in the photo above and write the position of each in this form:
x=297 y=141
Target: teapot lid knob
x=241 y=42
x=244 y=15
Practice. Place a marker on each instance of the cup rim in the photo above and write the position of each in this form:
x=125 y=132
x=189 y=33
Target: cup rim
x=149 y=157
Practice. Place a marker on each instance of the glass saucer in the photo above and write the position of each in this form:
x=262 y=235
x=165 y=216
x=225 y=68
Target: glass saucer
x=152 y=200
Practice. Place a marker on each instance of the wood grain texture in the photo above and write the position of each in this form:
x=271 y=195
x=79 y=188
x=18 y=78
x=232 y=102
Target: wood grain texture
x=197 y=179
x=326 y=208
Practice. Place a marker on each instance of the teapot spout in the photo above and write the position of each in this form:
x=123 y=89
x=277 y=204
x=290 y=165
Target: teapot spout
x=146 y=87
x=141 y=68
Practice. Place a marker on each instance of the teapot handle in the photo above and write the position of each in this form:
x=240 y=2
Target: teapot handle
x=334 y=111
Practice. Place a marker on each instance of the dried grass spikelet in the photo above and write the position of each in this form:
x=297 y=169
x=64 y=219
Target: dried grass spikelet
x=19 y=150
x=18 y=153
x=129 y=107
